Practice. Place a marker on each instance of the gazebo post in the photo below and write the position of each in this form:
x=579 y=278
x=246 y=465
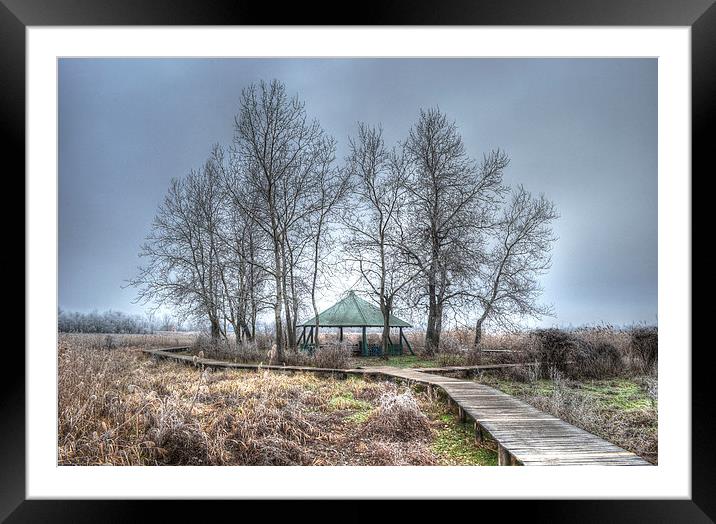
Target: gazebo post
x=408 y=344
x=340 y=334
x=400 y=339
x=364 y=348
x=315 y=342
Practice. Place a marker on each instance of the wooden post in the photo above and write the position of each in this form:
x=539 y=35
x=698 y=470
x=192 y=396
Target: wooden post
x=461 y=414
x=478 y=433
x=400 y=339
x=365 y=342
x=340 y=334
x=407 y=343
x=503 y=456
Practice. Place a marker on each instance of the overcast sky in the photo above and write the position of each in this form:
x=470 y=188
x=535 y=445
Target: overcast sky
x=582 y=131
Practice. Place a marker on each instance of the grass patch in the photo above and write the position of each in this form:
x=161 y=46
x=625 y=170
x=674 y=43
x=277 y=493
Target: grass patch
x=455 y=445
x=619 y=394
x=359 y=417
x=402 y=361
x=346 y=401
x=454 y=441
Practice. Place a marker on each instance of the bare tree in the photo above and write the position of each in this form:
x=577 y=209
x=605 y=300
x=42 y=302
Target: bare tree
x=251 y=230
x=277 y=151
x=182 y=251
x=374 y=222
x=331 y=187
x=241 y=275
x=452 y=201
x=508 y=287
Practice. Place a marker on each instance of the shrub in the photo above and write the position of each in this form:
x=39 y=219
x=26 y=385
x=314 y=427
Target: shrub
x=527 y=373
x=398 y=417
x=222 y=349
x=645 y=346
x=553 y=348
x=445 y=359
x=174 y=439
x=600 y=360
x=473 y=357
x=208 y=346
x=576 y=356
x=451 y=351
x=332 y=356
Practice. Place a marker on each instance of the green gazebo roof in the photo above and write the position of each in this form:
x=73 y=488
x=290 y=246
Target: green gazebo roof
x=353 y=311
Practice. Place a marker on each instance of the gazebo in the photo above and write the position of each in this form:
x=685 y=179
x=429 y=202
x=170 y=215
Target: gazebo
x=354 y=312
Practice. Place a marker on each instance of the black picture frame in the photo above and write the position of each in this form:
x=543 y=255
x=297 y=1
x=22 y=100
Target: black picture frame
x=16 y=15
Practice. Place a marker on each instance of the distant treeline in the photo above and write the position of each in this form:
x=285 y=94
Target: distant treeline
x=115 y=322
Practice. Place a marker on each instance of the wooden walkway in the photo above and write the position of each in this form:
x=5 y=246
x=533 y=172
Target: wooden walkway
x=524 y=435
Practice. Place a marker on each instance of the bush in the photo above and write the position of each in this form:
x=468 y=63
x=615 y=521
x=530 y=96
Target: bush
x=208 y=346
x=173 y=438
x=473 y=357
x=332 y=356
x=451 y=351
x=576 y=356
x=600 y=360
x=222 y=349
x=645 y=346
x=398 y=417
x=553 y=349
x=450 y=359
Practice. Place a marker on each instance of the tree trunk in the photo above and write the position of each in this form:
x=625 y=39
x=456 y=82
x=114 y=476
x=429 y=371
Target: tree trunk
x=431 y=345
x=237 y=334
x=318 y=323
x=386 y=335
x=215 y=329
x=277 y=308
x=438 y=325
x=315 y=278
x=290 y=331
x=246 y=332
x=478 y=332
x=254 y=314
x=385 y=308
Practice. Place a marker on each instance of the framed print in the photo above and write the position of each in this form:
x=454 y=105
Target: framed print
x=362 y=259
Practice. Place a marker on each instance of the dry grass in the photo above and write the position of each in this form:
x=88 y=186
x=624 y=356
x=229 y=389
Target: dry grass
x=328 y=356
x=117 y=406
x=112 y=341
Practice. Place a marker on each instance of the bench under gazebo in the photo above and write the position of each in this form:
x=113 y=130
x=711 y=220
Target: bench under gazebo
x=354 y=312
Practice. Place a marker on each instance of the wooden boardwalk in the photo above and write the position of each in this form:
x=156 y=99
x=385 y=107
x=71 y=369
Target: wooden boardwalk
x=524 y=435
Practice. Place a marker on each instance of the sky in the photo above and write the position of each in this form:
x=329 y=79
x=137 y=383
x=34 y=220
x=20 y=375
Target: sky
x=581 y=131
